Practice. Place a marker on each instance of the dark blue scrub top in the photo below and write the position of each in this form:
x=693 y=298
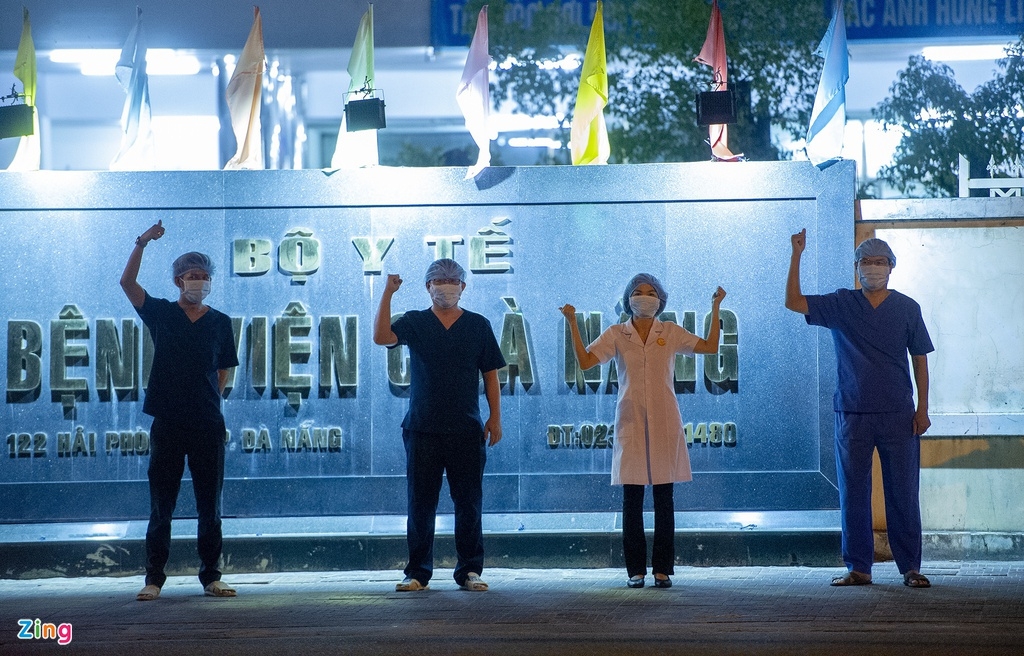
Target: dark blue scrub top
x=445 y=368
x=871 y=348
x=183 y=381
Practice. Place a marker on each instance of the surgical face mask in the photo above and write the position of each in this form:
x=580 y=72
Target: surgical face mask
x=445 y=296
x=873 y=276
x=195 y=290
x=644 y=307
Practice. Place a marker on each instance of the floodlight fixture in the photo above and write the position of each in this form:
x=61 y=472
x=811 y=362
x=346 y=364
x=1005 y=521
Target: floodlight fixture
x=17 y=119
x=716 y=107
x=365 y=110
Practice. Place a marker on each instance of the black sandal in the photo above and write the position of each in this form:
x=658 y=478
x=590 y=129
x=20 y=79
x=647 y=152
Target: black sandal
x=914 y=579
x=852 y=578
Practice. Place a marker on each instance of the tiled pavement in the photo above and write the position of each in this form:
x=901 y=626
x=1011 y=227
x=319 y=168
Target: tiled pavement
x=973 y=608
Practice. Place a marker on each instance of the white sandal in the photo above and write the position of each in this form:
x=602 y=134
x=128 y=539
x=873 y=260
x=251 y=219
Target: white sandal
x=474 y=583
x=219 y=589
x=148 y=593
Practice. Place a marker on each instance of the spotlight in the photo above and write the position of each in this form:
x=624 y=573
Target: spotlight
x=15 y=121
x=716 y=107
x=365 y=113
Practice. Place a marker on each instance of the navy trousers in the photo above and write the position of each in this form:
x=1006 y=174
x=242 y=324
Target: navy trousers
x=429 y=456
x=171 y=444
x=634 y=540
x=899 y=451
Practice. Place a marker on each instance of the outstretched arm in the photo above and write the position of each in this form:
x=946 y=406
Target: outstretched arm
x=710 y=343
x=585 y=358
x=129 y=277
x=382 y=333
x=795 y=299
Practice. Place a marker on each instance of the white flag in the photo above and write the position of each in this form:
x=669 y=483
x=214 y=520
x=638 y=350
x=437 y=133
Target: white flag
x=358 y=149
x=474 y=94
x=243 y=93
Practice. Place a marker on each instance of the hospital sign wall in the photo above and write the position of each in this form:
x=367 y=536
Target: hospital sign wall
x=313 y=410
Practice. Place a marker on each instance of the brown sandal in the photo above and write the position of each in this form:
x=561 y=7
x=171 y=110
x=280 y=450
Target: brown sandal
x=852 y=578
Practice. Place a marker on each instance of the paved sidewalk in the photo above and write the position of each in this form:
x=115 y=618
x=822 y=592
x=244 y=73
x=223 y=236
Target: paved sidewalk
x=973 y=608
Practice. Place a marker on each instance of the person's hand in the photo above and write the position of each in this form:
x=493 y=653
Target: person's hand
x=799 y=241
x=156 y=231
x=716 y=298
x=492 y=430
x=394 y=281
x=921 y=422
x=569 y=312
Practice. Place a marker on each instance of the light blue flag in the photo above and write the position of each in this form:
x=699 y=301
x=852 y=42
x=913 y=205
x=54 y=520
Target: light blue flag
x=828 y=117
x=136 y=120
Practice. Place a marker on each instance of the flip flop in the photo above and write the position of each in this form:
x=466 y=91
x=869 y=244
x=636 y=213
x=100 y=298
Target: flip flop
x=410 y=585
x=852 y=578
x=473 y=583
x=148 y=593
x=914 y=579
x=219 y=589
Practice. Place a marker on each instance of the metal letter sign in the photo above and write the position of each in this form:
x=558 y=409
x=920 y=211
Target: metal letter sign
x=314 y=408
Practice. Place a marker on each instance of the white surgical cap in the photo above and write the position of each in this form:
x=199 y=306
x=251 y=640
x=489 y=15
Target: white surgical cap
x=874 y=248
x=445 y=269
x=190 y=261
x=638 y=280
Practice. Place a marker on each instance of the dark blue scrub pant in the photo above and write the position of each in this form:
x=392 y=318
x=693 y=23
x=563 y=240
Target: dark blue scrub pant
x=899 y=451
x=429 y=456
x=634 y=540
x=170 y=445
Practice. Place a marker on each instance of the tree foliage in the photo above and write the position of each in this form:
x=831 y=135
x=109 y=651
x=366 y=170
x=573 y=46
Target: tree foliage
x=650 y=47
x=940 y=120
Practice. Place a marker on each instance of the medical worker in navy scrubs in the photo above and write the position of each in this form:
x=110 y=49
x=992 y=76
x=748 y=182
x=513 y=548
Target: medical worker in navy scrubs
x=874 y=328
x=449 y=349
x=194 y=348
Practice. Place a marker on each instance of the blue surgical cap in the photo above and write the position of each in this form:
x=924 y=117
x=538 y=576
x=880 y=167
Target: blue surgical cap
x=445 y=269
x=190 y=261
x=638 y=280
x=874 y=248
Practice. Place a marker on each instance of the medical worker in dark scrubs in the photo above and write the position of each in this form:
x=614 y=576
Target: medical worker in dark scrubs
x=449 y=349
x=874 y=329
x=194 y=348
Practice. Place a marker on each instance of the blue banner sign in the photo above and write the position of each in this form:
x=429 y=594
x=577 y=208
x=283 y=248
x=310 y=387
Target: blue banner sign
x=453 y=25
x=932 y=19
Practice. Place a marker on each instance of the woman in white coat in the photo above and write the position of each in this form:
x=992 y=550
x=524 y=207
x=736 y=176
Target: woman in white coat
x=649 y=447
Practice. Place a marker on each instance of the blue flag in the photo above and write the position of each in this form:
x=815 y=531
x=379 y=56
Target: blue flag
x=136 y=120
x=828 y=117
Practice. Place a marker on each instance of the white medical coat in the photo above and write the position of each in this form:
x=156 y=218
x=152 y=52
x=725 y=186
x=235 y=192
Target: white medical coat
x=649 y=447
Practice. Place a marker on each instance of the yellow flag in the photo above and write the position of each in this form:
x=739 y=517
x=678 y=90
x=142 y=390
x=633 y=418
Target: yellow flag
x=25 y=62
x=588 y=140
x=28 y=156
